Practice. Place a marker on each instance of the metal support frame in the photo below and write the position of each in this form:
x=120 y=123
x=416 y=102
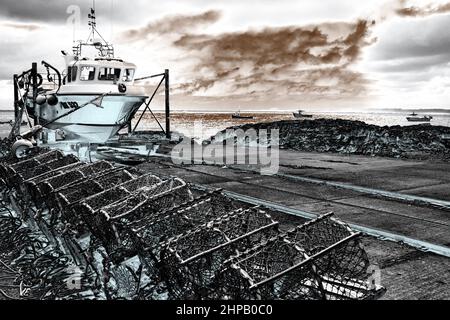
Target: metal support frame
x=165 y=79
x=34 y=85
x=167 y=102
x=16 y=98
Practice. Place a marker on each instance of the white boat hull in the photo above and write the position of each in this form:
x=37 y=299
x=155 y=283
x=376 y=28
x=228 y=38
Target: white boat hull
x=90 y=123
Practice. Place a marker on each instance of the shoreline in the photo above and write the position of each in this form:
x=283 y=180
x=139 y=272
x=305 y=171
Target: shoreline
x=348 y=137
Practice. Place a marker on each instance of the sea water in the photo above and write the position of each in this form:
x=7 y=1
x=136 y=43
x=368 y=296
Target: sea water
x=202 y=125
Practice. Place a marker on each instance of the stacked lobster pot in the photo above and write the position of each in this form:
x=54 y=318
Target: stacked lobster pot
x=79 y=203
x=106 y=222
x=16 y=174
x=191 y=262
x=149 y=232
x=135 y=233
x=322 y=259
x=41 y=188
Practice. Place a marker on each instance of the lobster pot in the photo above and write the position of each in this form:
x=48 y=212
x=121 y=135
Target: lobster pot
x=263 y=273
x=130 y=207
x=68 y=198
x=43 y=169
x=29 y=187
x=300 y=266
x=30 y=163
x=190 y=262
x=152 y=229
x=110 y=222
x=10 y=161
x=88 y=207
x=72 y=176
x=16 y=178
x=348 y=260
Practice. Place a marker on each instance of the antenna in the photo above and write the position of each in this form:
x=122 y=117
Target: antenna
x=105 y=49
x=111 y=14
x=92 y=22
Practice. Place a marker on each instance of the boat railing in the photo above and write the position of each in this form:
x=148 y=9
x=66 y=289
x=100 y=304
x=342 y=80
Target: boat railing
x=49 y=81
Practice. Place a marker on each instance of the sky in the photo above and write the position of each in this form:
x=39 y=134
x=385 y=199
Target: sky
x=254 y=54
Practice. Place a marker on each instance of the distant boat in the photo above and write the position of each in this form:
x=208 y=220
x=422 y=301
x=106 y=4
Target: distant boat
x=300 y=114
x=414 y=117
x=238 y=115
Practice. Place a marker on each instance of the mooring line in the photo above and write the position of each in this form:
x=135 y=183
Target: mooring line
x=379 y=234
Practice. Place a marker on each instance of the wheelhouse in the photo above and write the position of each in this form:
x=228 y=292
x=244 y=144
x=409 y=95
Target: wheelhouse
x=100 y=71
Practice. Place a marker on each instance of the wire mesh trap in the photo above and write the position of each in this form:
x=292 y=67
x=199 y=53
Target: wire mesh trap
x=136 y=235
x=69 y=175
x=149 y=231
x=107 y=224
x=322 y=259
x=191 y=261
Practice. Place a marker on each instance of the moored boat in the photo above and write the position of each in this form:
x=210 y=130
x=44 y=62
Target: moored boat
x=300 y=114
x=238 y=115
x=414 y=117
x=97 y=95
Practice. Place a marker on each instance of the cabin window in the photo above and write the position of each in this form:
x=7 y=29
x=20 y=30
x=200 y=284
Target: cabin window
x=109 y=74
x=72 y=73
x=128 y=75
x=87 y=73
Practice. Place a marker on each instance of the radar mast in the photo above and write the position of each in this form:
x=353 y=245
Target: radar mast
x=95 y=39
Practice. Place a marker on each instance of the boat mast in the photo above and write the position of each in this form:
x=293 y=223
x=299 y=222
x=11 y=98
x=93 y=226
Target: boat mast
x=104 y=48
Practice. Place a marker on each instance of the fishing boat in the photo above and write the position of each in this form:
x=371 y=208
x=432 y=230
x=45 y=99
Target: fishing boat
x=238 y=115
x=299 y=114
x=414 y=117
x=102 y=85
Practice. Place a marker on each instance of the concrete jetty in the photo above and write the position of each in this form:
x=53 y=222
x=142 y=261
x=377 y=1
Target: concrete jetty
x=406 y=272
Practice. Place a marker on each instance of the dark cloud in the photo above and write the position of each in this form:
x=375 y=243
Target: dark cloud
x=172 y=24
x=422 y=11
x=293 y=60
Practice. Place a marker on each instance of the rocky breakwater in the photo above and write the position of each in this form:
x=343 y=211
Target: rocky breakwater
x=356 y=137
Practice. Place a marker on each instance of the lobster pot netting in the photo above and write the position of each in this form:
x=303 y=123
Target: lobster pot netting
x=92 y=186
x=117 y=193
x=31 y=187
x=130 y=206
x=330 y=264
x=349 y=261
x=42 y=170
x=5 y=148
x=72 y=176
x=153 y=229
x=9 y=161
x=30 y=163
x=191 y=261
x=68 y=199
x=109 y=224
x=262 y=273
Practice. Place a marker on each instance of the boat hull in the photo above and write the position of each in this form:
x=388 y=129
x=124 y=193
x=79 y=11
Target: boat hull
x=419 y=119
x=303 y=116
x=90 y=123
x=242 y=117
